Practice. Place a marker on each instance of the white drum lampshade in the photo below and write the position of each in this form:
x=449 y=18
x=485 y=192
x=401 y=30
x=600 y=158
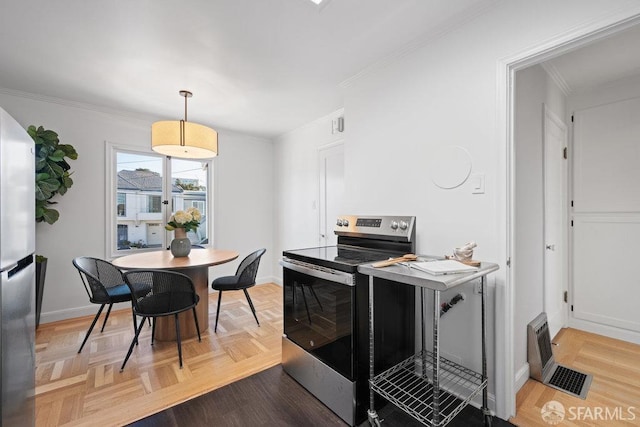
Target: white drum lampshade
x=183 y=139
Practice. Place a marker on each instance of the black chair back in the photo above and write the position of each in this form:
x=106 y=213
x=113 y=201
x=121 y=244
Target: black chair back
x=170 y=292
x=248 y=268
x=97 y=276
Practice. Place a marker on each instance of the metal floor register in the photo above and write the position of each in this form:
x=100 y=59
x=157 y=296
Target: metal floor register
x=543 y=367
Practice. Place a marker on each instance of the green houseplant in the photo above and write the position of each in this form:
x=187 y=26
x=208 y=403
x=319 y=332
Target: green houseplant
x=53 y=177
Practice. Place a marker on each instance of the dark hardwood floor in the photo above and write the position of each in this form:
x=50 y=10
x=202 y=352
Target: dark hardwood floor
x=272 y=398
x=269 y=398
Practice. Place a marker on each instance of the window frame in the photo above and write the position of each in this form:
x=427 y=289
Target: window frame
x=111 y=195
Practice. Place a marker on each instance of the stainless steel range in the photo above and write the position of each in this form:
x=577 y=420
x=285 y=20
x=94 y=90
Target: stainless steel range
x=325 y=346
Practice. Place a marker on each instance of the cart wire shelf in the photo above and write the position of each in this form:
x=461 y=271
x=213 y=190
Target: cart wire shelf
x=405 y=387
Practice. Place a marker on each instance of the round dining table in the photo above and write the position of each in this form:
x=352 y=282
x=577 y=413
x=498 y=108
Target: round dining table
x=196 y=266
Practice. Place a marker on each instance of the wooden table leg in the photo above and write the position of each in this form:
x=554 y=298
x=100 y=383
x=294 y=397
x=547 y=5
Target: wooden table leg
x=166 y=326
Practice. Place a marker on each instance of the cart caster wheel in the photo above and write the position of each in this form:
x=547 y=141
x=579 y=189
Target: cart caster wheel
x=373 y=418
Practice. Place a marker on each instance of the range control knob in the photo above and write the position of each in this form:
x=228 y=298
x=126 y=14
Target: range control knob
x=403 y=225
x=345 y=222
x=394 y=225
x=339 y=222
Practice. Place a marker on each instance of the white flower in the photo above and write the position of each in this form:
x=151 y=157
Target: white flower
x=182 y=217
x=195 y=213
x=189 y=220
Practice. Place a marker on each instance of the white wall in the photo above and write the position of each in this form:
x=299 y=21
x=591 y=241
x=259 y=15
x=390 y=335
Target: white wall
x=534 y=88
x=243 y=191
x=244 y=201
x=444 y=94
x=297 y=186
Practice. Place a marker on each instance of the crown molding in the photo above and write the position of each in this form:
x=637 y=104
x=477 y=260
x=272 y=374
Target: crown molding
x=438 y=32
x=337 y=113
x=557 y=77
x=80 y=105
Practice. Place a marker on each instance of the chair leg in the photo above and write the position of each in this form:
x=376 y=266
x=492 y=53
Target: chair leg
x=306 y=306
x=215 y=330
x=178 y=339
x=251 y=305
x=316 y=296
x=133 y=342
x=153 y=330
x=106 y=317
x=135 y=321
x=195 y=317
x=95 y=319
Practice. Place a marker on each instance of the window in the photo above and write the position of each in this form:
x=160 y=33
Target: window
x=123 y=236
x=138 y=184
x=122 y=204
x=154 y=204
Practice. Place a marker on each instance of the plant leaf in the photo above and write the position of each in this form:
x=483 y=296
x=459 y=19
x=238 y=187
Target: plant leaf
x=50 y=215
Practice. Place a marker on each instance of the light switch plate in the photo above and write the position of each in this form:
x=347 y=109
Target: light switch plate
x=477 y=183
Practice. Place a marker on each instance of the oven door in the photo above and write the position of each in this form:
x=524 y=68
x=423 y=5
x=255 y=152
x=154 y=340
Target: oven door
x=319 y=306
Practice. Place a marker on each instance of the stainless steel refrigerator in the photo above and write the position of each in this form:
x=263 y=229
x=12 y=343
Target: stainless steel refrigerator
x=17 y=265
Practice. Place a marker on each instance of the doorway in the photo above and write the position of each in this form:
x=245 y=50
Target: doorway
x=515 y=314
x=331 y=170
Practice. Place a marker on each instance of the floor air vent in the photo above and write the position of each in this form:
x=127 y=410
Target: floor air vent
x=543 y=367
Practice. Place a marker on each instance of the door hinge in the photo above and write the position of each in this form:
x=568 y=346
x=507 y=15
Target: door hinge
x=566 y=296
x=572 y=118
x=571 y=307
x=572 y=223
x=564 y=152
x=572 y=203
x=508 y=262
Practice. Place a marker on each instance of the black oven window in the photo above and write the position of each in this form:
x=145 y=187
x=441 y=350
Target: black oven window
x=319 y=318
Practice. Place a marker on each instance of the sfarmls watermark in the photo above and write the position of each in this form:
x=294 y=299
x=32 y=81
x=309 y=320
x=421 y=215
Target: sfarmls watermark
x=554 y=413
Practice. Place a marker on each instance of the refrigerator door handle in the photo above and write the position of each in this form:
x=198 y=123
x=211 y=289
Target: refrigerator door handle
x=11 y=267
x=20 y=265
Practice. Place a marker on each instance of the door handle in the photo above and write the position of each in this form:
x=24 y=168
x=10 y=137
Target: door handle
x=551 y=247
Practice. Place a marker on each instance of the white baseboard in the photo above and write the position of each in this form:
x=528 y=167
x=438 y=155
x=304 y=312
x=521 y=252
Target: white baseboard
x=71 y=313
x=522 y=376
x=92 y=309
x=277 y=281
x=607 y=331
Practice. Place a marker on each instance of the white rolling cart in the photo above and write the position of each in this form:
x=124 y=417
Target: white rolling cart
x=430 y=388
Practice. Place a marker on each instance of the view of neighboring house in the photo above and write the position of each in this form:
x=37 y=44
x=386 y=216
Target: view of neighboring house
x=139 y=208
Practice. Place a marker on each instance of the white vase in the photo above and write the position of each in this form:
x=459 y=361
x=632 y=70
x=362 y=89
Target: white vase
x=180 y=245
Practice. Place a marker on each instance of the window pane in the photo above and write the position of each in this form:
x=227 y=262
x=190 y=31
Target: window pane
x=139 y=201
x=121 y=204
x=189 y=179
x=154 y=204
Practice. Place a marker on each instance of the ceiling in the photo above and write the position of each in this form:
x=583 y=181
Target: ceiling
x=613 y=58
x=262 y=67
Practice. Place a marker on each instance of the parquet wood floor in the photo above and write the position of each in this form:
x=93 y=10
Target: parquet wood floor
x=88 y=389
x=614 y=395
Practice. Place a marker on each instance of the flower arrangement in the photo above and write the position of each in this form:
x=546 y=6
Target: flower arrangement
x=189 y=220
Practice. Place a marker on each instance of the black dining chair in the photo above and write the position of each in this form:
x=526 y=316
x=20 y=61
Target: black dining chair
x=170 y=293
x=104 y=284
x=244 y=278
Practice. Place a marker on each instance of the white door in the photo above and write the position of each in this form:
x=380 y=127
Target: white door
x=606 y=219
x=155 y=233
x=331 y=204
x=555 y=225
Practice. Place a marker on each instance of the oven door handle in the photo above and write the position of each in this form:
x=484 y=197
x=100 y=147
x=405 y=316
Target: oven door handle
x=324 y=273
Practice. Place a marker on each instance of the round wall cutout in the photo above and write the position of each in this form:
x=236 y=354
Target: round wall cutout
x=450 y=167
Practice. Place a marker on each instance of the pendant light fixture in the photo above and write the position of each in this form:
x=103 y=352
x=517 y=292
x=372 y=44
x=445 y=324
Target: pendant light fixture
x=184 y=139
